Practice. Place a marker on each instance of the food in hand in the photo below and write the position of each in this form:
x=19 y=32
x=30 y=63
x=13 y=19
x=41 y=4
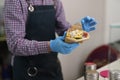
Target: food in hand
x=76 y=34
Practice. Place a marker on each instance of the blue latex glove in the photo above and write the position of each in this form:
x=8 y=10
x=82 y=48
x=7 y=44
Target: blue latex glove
x=58 y=45
x=88 y=23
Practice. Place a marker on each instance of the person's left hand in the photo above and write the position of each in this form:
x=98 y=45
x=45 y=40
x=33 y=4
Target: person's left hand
x=88 y=23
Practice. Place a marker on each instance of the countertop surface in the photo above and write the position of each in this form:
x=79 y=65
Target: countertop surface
x=112 y=66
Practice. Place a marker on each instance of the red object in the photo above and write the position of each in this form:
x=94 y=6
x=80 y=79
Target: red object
x=104 y=73
x=89 y=63
x=101 y=55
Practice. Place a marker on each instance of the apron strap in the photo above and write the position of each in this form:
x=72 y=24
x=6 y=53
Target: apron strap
x=55 y=4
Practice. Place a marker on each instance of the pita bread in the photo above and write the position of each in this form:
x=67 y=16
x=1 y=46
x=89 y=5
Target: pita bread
x=75 y=34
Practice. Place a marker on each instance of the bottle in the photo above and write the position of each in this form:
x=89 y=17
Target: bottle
x=92 y=75
x=90 y=66
x=90 y=72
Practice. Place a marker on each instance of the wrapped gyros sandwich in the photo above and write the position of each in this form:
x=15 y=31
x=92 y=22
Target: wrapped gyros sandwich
x=75 y=34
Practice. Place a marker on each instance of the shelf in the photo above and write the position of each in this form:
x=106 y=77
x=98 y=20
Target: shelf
x=115 y=25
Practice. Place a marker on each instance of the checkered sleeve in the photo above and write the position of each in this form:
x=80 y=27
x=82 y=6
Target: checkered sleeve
x=15 y=32
x=62 y=24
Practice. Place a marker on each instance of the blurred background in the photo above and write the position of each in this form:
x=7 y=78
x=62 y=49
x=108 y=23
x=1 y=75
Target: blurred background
x=107 y=14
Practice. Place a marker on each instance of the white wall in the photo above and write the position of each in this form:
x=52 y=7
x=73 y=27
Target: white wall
x=1 y=2
x=72 y=64
x=114 y=32
x=112 y=16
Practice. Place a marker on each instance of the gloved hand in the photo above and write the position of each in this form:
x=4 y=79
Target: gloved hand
x=88 y=23
x=58 y=45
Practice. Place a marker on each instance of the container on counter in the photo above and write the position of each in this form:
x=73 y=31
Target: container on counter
x=115 y=75
x=92 y=75
x=90 y=72
x=90 y=66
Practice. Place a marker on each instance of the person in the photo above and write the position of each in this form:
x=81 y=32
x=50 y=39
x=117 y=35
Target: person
x=30 y=27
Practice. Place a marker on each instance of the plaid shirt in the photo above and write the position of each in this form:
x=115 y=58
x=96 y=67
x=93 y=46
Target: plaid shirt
x=15 y=16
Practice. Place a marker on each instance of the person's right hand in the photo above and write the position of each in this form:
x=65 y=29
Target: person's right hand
x=58 y=45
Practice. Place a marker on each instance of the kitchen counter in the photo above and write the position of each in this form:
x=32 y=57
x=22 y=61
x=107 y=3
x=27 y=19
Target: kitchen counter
x=112 y=66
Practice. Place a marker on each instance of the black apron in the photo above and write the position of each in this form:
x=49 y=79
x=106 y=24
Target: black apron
x=40 y=26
